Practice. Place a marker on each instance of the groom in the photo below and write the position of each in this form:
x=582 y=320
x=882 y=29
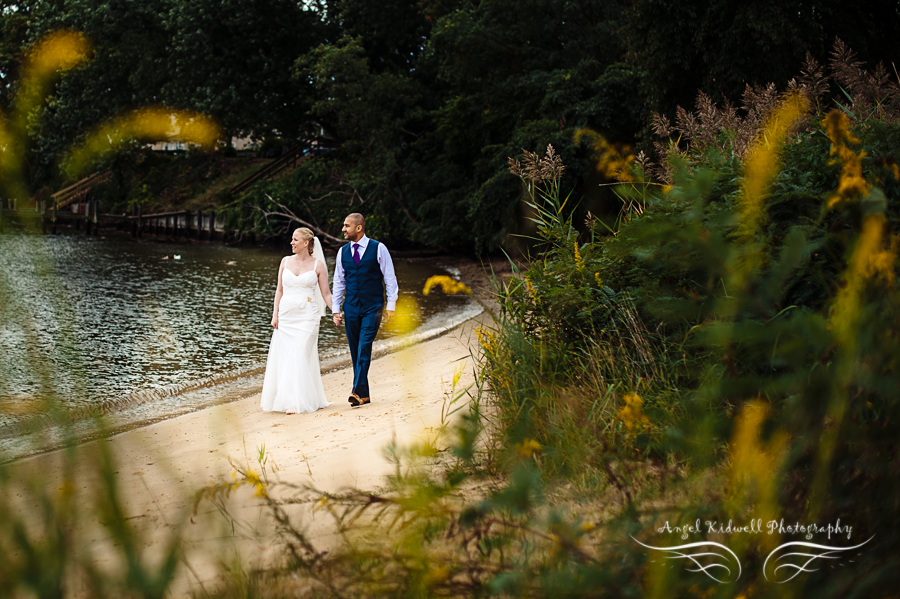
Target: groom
x=363 y=271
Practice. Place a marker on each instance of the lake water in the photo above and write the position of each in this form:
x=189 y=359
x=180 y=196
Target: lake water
x=142 y=331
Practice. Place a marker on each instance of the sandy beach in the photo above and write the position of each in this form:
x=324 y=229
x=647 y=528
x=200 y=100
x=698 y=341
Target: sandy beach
x=160 y=467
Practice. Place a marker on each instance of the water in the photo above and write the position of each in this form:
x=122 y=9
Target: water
x=143 y=331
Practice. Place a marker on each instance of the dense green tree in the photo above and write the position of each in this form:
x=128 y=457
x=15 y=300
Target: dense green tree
x=129 y=43
x=232 y=60
x=393 y=33
x=426 y=128
x=14 y=17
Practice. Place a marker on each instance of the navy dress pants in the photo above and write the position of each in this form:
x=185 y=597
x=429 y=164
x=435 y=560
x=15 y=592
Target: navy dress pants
x=361 y=328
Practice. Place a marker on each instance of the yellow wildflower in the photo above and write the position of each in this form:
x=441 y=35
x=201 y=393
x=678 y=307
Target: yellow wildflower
x=579 y=262
x=598 y=279
x=631 y=414
x=528 y=447
x=755 y=461
x=761 y=164
x=613 y=160
x=436 y=575
x=485 y=338
x=448 y=285
x=852 y=186
x=531 y=291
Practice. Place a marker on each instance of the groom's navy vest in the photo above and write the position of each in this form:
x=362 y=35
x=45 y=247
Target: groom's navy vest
x=364 y=283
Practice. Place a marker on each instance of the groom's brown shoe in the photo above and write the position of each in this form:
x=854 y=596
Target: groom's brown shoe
x=354 y=400
x=363 y=401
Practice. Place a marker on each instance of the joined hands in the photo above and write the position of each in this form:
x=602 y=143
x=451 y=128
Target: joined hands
x=338 y=318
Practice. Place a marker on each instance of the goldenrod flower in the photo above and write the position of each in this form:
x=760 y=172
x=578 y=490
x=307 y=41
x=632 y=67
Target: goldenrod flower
x=531 y=291
x=407 y=316
x=613 y=160
x=436 y=575
x=579 y=262
x=485 y=338
x=631 y=414
x=528 y=447
x=598 y=279
x=448 y=285
x=852 y=186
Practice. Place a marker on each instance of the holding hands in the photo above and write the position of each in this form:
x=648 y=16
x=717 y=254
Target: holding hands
x=338 y=318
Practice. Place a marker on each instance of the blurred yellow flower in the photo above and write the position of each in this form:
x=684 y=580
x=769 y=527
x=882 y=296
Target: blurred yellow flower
x=57 y=51
x=531 y=291
x=613 y=160
x=761 y=164
x=851 y=186
x=631 y=414
x=528 y=447
x=407 y=316
x=436 y=575
x=448 y=285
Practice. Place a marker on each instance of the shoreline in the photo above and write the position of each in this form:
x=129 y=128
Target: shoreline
x=129 y=409
x=252 y=385
x=160 y=467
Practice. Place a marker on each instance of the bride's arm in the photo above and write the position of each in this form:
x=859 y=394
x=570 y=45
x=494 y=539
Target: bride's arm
x=278 y=293
x=322 y=272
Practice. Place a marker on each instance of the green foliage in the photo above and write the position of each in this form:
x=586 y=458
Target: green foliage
x=232 y=61
x=129 y=42
x=774 y=362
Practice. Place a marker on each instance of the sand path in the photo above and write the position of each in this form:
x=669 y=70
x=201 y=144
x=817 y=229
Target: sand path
x=161 y=466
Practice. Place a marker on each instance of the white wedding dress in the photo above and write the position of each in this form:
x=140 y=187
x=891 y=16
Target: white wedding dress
x=293 y=382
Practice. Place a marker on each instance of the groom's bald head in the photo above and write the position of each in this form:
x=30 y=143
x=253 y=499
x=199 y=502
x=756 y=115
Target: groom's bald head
x=354 y=226
x=357 y=219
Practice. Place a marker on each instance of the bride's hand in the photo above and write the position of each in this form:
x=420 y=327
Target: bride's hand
x=275 y=321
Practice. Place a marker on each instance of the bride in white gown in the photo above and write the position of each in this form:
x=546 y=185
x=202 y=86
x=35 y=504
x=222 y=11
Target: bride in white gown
x=293 y=383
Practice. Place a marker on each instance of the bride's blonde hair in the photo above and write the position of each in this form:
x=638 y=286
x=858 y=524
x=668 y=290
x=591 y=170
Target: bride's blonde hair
x=309 y=236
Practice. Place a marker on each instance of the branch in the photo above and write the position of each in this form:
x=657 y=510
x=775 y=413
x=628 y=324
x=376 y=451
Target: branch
x=287 y=213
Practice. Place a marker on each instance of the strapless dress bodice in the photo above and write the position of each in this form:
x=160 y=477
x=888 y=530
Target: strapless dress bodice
x=305 y=280
x=299 y=294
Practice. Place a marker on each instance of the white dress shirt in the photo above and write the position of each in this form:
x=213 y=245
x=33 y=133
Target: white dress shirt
x=387 y=271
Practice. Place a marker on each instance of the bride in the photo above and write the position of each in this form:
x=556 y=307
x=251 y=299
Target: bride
x=293 y=382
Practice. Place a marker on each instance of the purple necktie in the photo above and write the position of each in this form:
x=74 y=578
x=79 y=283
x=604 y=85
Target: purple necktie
x=356 y=257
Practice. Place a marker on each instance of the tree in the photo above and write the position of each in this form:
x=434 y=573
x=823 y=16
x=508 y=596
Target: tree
x=232 y=60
